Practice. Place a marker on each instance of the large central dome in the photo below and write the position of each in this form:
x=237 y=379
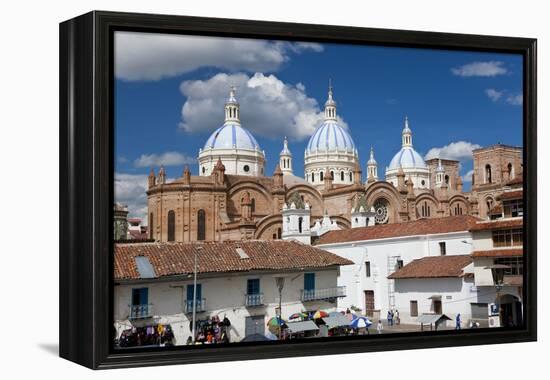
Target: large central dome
x=407 y=158
x=409 y=162
x=231 y=136
x=330 y=136
x=330 y=151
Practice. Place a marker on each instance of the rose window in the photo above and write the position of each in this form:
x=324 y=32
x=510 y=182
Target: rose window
x=381 y=214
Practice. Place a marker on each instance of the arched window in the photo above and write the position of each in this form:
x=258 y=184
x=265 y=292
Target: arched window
x=510 y=171
x=342 y=176
x=252 y=205
x=279 y=233
x=350 y=176
x=488 y=176
x=425 y=210
x=201 y=225
x=446 y=179
x=171 y=225
x=320 y=176
x=332 y=174
x=312 y=177
x=300 y=222
x=151 y=221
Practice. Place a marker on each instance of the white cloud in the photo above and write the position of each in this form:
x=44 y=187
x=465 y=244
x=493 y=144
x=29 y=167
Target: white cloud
x=493 y=94
x=515 y=99
x=468 y=176
x=153 y=56
x=480 y=69
x=165 y=159
x=269 y=107
x=130 y=190
x=459 y=150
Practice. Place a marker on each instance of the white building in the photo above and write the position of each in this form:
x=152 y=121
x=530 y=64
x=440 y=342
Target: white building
x=237 y=280
x=380 y=250
x=233 y=145
x=436 y=285
x=330 y=150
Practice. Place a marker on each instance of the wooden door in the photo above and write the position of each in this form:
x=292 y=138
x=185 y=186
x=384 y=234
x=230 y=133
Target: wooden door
x=369 y=302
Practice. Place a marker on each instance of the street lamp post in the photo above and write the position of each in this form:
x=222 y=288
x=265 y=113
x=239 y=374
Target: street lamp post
x=196 y=251
x=497 y=270
x=280 y=281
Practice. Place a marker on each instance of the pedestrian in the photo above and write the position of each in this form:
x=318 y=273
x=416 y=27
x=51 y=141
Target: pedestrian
x=379 y=327
x=397 y=319
x=390 y=318
x=458 y=322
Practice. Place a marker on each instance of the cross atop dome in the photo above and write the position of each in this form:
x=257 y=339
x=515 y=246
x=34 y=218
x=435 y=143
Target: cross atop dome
x=330 y=104
x=232 y=110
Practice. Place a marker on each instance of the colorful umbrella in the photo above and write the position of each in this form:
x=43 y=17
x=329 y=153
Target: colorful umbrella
x=360 y=322
x=298 y=315
x=320 y=314
x=275 y=322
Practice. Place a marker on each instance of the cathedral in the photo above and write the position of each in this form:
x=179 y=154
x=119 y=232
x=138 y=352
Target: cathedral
x=233 y=198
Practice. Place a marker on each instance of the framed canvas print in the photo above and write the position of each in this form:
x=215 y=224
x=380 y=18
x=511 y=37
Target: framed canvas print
x=237 y=190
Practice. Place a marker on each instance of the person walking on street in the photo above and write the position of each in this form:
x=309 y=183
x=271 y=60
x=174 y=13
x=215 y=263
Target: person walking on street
x=379 y=327
x=397 y=319
x=458 y=322
x=390 y=318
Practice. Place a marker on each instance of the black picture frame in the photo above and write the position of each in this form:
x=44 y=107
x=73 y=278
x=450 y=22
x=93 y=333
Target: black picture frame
x=86 y=186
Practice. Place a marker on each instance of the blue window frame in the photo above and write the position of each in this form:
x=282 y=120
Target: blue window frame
x=309 y=281
x=253 y=286
x=140 y=296
x=190 y=292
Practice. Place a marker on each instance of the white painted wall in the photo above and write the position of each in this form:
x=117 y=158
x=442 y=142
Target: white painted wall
x=377 y=252
x=456 y=296
x=224 y=295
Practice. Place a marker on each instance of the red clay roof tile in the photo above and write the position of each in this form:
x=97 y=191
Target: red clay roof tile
x=169 y=259
x=433 y=267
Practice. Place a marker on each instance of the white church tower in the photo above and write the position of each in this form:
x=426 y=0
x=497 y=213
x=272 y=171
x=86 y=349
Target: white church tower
x=296 y=220
x=285 y=159
x=372 y=168
x=439 y=174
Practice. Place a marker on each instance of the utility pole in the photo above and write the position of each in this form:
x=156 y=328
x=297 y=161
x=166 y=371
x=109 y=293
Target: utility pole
x=196 y=251
x=280 y=281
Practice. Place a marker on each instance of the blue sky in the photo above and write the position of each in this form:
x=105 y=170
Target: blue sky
x=170 y=93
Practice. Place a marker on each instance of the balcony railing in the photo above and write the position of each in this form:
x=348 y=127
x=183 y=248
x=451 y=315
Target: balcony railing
x=254 y=299
x=323 y=294
x=141 y=311
x=201 y=305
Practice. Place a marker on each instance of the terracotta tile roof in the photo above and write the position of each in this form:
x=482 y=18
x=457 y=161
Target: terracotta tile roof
x=169 y=259
x=418 y=227
x=516 y=194
x=433 y=267
x=497 y=224
x=499 y=252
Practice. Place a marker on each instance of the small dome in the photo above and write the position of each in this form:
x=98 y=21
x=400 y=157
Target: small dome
x=330 y=135
x=407 y=158
x=231 y=136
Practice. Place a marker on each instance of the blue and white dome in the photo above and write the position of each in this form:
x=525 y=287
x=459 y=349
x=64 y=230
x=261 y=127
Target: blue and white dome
x=331 y=151
x=407 y=158
x=331 y=136
x=231 y=136
x=233 y=145
x=408 y=162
